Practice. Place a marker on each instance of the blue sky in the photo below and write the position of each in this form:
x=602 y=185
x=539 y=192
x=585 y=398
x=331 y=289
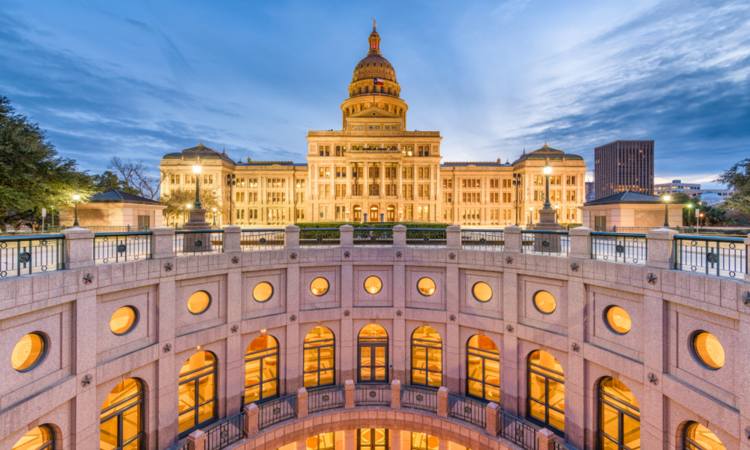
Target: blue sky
x=138 y=79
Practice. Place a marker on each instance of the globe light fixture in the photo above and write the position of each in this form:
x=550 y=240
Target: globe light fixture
x=666 y=198
x=76 y=200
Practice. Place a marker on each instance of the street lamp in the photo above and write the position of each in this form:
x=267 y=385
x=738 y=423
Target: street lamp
x=666 y=198
x=531 y=214
x=689 y=207
x=231 y=182
x=188 y=207
x=76 y=199
x=517 y=184
x=213 y=215
x=547 y=172
x=197 y=169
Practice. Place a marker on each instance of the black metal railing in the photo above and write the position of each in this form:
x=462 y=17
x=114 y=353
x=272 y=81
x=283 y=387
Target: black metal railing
x=483 y=239
x=227 y=431
x=325 y=398
x=516 y=430
x=419 y=398
x=426 y=236
x=372 y=395
x=319 y=236
x=277 y=410
x=116 y=247
x=619 y=247
x=712 y=255
x=373 y=236
x=467 y=409
x=27 y=254
x=262 y=239
x=189 y=242
x=545 y=242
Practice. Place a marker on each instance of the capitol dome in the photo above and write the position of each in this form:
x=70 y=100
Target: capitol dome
x=374 y=74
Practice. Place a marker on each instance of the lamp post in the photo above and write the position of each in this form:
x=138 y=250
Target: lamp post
x=517 y=184
x=188 y=207
x=76 y=199
x=197 y=169
x=689 y=207
x=666 y=198
x=213 y=215
x=231 y=182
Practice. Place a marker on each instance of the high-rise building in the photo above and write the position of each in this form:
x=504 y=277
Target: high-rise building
x=374 y=169
x=624 y=166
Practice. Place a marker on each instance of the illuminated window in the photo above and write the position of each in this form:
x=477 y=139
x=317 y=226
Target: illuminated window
x=698 y=437
x=123 y=320
x=481 y=291
x=619 y=416
x=708 y=349
x=199 y=302
x=372 y=439
x=196 y=392
x=373 y=285
x=426 y=286
x=617 y=319
x=121 y=419
x=322 y=441
x=263 y=291
x=38 y=438
x=29 y=351
x=546 y=391
x=319 y=286
x=483 y=368
x=423 y=441
x=426 y=357
x=319 y=357
x=372 y=348
x=545 y=302
x=261 y=369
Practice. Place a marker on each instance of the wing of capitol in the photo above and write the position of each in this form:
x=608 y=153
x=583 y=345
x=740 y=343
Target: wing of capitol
x=375 y=170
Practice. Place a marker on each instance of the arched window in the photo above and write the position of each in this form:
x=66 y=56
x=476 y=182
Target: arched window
x=546 y=391
x=483 y=368
x=426 y=357
x=38 y=438
x=261 y=369
x=372 y=351
x=319 y=358
x=423 y=441
x=196 y=392
x=121 y=419
x=698 y=437
x=322 y=441
x=619 y=416
x=372 y=439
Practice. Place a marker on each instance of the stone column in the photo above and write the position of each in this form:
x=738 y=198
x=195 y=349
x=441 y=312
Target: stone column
x=302 y=406
x=232 y=236
x=291 y=237
x=346 y=238
x=580 y=243
x=86 y=424
x=442 y=401
x=395 y=394
x=491 y=419
x=512 y=236
x=197 y=440
x=544 y=438
x=162 y=243
x=399 y=236
x=350 y=439
x=79 y=248
x=453 y=237
x=349 y=394
x=660 y=248
x=251 y=419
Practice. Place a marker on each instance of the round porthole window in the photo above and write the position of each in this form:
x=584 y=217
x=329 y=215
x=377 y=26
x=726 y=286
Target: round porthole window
x=319 y=286
x=618 y=320
x=481 y=291
x=545 y=302
x=426 y=286
x=263 y=291
x=373 y=285
x=199 y=302
x=28 y=352
x=123 y=320
x=708 y=349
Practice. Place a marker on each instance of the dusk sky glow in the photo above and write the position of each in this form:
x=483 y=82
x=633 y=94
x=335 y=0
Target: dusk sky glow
x=139 y=79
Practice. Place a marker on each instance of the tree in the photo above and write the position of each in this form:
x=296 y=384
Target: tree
x=32 y=175
x=737 y=178
x=109 y=180
x=176 y=203
x=135 y=179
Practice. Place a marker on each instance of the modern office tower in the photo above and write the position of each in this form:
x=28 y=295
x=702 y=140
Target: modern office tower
x=624 y=166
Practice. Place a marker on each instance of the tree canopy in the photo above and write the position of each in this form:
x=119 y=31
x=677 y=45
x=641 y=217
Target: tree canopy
x=737 y=178
x=32 y=174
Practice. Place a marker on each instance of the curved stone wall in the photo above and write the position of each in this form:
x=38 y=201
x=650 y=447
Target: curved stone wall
x=85 y=360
